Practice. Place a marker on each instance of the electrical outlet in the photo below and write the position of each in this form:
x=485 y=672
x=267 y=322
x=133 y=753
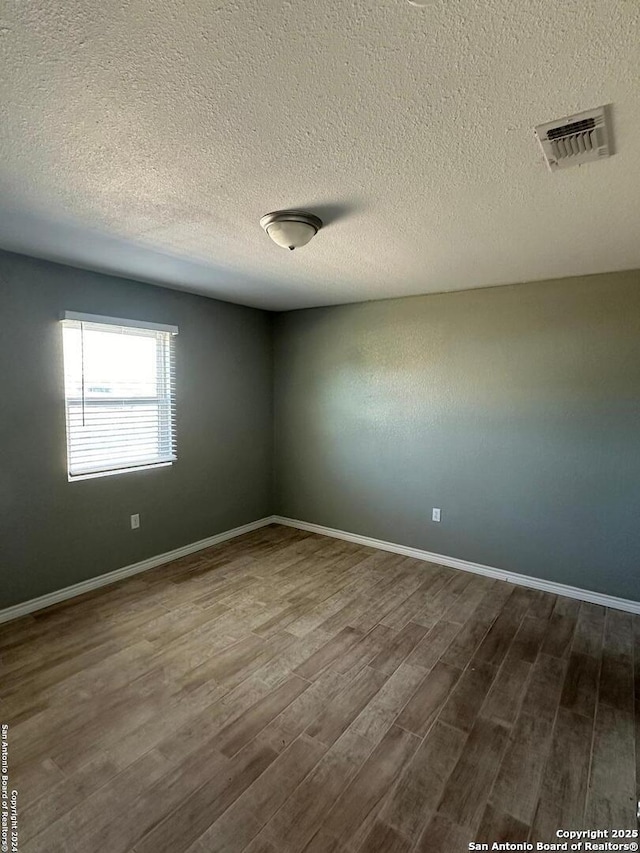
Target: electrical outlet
x=135 y=521
x=435 y=514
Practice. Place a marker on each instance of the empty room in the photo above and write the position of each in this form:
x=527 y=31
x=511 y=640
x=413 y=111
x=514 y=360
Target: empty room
x=320 y=426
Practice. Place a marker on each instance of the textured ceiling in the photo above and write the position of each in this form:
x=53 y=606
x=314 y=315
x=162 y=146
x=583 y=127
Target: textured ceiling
x=147 y=137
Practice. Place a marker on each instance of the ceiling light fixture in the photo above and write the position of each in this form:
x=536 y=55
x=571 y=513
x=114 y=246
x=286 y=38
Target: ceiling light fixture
x=291 y=228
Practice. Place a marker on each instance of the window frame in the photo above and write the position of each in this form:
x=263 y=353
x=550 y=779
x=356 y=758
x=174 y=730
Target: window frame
x=166 y=398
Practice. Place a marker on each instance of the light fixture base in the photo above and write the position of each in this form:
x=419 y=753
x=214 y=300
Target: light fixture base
x=291 y=216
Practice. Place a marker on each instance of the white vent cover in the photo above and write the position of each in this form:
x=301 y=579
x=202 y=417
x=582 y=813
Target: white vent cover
x=576 y=139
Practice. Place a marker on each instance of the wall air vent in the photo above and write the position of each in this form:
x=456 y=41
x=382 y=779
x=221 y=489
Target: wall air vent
x=576 y=139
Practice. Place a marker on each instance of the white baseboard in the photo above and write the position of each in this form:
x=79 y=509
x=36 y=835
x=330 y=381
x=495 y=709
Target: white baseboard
x=50 y=598
x=489 y=571
x=43 y=601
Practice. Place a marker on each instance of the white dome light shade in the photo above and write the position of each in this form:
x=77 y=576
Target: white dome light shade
x=290 y=235
x=291 y=229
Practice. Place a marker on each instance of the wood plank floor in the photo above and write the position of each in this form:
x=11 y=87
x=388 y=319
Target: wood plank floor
x=287 y=692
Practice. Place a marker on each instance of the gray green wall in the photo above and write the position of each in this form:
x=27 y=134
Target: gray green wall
x=514 y=409
x=54 y=533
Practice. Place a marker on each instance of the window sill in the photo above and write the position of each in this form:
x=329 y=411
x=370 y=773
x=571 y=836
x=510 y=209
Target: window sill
x=74 y=478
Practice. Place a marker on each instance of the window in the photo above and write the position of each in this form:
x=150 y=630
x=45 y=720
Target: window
x=119 y=394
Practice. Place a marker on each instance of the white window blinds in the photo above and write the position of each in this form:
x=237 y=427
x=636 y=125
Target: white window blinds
x=119 y=394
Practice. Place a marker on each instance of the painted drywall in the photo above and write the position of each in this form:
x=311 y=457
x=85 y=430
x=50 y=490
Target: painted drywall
x=54 y=533
x=516 y=410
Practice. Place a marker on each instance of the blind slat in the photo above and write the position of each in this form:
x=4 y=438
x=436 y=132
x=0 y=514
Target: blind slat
x=100 y=429
x=148 y=444
x=114 y=457
x=125 y=438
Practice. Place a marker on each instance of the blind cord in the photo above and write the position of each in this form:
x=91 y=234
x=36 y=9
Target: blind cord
x=82 y=362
